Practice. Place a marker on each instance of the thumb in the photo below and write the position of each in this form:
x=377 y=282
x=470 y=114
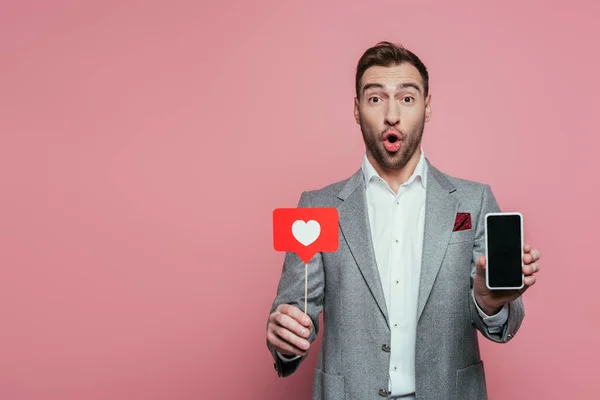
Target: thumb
x=480 y=263
x=303 y=318
x=307 y=322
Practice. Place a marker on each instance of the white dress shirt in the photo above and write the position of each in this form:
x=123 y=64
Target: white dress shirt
x=397 y=224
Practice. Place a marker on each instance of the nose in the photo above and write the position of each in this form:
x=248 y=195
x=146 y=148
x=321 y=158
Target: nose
x=392 y=115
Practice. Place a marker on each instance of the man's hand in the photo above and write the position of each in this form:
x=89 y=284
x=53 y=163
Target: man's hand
x=491 y=301
x=288 y=329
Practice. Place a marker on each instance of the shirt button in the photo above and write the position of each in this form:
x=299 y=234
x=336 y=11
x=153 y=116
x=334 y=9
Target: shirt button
x=397 y=282
x=396 y=240
x=395 y=368
x=384 y=392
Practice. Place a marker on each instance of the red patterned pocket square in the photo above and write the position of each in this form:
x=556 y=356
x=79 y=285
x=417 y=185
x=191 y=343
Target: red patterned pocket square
x=462 y=222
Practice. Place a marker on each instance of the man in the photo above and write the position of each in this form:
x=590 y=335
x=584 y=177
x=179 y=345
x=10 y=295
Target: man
x=405 y=292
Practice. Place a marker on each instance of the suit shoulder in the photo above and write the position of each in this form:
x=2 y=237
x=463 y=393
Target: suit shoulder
x=461 y=185
x=473 y=195
x=325 y=195
x=468 y=185
x=467 y=190
x=330 y=190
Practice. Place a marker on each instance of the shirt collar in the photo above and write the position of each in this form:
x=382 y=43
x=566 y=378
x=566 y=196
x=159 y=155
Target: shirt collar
x=369 y=171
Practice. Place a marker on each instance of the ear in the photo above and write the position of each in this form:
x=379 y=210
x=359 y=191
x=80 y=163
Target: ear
x=356 y=111
x=428 y=108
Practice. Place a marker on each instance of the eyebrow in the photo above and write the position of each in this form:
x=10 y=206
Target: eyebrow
x=398 y=87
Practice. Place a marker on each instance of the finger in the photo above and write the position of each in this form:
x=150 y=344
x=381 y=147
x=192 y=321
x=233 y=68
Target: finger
x=290 y=324
x=480 y=266
x=532 y=256
x=528 y=258
x=480 y=263
x=296 y=314
x=291 y=338
x=527 y=248
x=282 y=346
x=529 y=280
x=529 y=269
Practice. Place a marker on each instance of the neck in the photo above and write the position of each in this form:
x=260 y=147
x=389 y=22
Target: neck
x=396 y=177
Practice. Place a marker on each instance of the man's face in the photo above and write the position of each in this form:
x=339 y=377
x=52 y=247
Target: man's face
x=392 y=112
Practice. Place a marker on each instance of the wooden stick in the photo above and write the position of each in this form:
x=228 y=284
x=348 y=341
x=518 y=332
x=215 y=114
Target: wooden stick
x=305 y=288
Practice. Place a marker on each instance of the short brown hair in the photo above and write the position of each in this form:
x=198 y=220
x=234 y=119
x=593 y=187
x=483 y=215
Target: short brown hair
x=386 y=54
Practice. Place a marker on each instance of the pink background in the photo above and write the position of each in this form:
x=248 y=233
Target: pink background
x=144 y=145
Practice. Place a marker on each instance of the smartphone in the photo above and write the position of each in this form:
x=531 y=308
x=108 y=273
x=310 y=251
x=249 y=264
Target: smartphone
x=504 y=250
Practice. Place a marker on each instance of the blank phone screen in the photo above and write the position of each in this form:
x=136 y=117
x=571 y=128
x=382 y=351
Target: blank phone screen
x=504 y=251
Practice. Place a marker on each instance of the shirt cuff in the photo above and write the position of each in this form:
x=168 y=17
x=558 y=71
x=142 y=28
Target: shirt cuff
x=286 y=358
x=493 y=321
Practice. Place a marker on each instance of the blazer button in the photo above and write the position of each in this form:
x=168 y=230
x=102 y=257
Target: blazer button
x=386 y=348
x=384 y=392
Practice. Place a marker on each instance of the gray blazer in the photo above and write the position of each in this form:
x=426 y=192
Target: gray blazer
x=353 y=361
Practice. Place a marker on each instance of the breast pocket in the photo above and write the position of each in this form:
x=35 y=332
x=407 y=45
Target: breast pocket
x=462 y=236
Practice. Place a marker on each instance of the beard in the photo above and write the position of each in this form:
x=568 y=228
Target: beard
x=388 y=161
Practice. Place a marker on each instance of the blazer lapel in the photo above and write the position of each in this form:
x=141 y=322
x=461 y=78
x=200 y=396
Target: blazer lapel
x=355 y=227
x=440 y=213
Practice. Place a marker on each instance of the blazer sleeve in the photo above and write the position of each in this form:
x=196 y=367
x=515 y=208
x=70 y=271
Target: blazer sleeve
x=516 y=309
x=291 y=291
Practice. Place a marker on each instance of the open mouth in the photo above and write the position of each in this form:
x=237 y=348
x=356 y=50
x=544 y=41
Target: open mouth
x=392 y=141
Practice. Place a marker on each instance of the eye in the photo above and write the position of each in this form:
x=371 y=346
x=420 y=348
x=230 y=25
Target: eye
x=408 y=99
x=371 y=99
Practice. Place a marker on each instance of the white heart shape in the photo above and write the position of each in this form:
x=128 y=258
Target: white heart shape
x=306 y=232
